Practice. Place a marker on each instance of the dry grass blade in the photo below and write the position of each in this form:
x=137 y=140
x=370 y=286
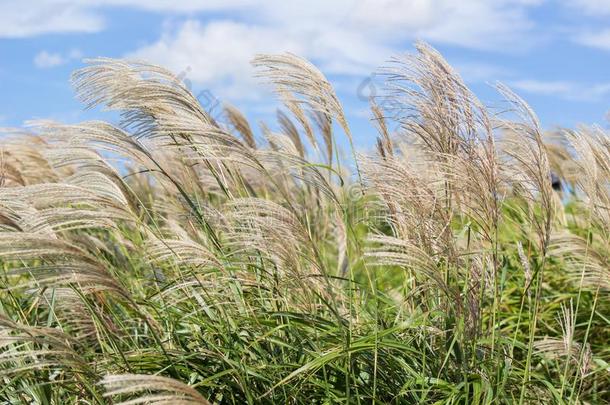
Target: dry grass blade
x=99 y=136
x=143 y=92
x=71 y=312
x=585 y=264
x=241 y=125
x=384 y=141
x=389 y=251
x=325 y=126
x=529 y=164
x=433 y=104
x=295 y=108
x=299 y=169
x=78 y=203
x=289 y=129
x=66 y=263
x=566 y=348
x=26 y=348
x=150 y=389
x=413 y=199
x=267 y=227
x=299 y=81
x=22 y=159
x=447 y=123
x=592 y=148
x=527 y=270
x=181 y=252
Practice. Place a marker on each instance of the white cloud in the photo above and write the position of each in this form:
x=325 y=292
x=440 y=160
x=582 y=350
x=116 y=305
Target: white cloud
x=544 y=87
x=472 y=23
x=20 y=19
x=75 y=54
x=216 y=54
x=567 y=90
x=490 y=25
x=25 y=19
x=599 y=39
x=590 y=7
x=476 y=72
x=341 y=37
x=45 y=59
x=586 y=30
x=182 y=6
x=350 y=37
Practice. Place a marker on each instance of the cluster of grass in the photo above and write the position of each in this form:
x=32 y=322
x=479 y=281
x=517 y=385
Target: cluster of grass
x=176 y=259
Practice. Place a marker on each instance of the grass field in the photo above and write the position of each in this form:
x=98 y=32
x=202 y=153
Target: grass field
x=180 y=260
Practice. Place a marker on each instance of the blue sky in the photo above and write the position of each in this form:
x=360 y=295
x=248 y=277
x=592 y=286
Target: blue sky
x=554 y=53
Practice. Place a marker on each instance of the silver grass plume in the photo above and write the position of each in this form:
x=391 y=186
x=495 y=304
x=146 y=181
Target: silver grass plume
x=150 y=389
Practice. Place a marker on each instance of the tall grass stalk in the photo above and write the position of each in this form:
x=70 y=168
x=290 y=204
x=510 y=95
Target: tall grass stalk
x=180 y=258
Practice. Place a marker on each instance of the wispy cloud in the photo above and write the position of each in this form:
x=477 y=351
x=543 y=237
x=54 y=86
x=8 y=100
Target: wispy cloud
x=342 y=37
x=557 y=87
x=45 y=59
x=476 y=72
x=468 y=22
x=590 y=7
x=568 y=90
x=596 y=39
x=590 y=29
x=20 y=19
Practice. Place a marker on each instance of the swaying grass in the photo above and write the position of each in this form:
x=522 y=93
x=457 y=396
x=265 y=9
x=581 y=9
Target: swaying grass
x=181 y=260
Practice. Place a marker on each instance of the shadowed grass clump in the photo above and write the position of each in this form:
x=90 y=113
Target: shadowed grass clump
x=177 y=259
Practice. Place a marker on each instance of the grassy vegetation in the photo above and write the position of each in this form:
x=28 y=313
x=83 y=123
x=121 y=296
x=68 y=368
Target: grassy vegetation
x=180 y=260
